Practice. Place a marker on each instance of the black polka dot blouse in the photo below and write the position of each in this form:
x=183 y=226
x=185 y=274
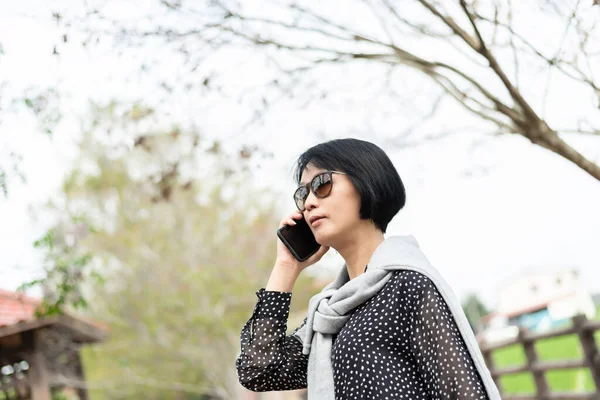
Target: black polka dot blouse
x=402 y=343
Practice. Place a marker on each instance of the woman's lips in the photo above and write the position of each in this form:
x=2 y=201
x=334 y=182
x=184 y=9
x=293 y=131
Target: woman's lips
x=317 y=222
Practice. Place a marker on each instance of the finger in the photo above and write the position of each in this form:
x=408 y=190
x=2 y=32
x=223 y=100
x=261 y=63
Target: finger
x=287 y=222
x=291 y=219
x=296 y=215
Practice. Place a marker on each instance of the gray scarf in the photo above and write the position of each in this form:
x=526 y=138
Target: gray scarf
x=329 y=310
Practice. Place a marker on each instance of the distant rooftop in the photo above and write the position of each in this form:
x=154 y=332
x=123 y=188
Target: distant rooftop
x=16 y=307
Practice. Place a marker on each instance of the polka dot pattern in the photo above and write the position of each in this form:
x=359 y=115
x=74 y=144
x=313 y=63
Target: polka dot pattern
x=270 y=360
x=402 y=343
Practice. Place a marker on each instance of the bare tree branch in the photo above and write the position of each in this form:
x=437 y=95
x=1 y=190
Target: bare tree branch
x=579 y=131
x=557 y=56
x=558 y=63
x=511 y=41
x=340 y=43
x=470 y=40
x=421 y=28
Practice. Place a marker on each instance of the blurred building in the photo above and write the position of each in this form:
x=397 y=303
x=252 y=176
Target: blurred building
x=538 y=302
x=40 y=355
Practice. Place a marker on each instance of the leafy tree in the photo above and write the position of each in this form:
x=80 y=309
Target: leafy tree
x=181 y=244
x=475 y=310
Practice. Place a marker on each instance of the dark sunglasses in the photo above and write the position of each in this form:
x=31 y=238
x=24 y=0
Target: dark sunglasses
x=320 y=185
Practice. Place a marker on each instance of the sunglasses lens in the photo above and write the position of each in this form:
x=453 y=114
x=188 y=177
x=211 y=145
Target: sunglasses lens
x=321 y=185
x=300 y=197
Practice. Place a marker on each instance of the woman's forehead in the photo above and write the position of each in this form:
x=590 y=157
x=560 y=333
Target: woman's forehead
x=309 y=172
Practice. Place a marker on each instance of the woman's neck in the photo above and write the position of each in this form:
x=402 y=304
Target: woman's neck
x=358 y=251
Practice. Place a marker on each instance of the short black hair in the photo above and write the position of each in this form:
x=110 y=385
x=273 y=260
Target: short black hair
x=370 y=170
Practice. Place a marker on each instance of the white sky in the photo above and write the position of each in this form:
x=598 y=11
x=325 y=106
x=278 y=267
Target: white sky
x=483 y=216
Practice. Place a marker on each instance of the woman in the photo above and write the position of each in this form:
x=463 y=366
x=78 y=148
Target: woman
x=388 y=327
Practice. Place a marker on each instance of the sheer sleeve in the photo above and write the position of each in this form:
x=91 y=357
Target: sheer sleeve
x=269 y=359
x=441 y=354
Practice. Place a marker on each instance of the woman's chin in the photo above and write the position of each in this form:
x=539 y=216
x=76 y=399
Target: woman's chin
x=322 y=237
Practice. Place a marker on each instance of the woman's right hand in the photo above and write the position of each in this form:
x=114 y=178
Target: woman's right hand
x=285 y=257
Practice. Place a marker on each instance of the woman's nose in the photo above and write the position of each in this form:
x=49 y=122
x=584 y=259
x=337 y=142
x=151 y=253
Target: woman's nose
x=311 y=201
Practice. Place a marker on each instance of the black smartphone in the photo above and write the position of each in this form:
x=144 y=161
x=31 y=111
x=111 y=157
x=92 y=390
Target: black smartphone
x=299 y=239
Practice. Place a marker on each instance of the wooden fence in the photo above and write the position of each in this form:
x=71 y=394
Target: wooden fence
x=581 y=327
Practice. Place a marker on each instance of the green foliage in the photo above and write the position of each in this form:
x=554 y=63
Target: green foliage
x=3 y=187
x=180 y=259
x=184 y=288
x=44 y=104
x=474 y=310
x=59 y=395
x=66 y=269
x=10 y=166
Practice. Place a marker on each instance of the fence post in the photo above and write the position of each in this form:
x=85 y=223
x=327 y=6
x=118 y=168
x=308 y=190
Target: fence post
x=588 y=345
x=489 y=362
x=539 y=377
